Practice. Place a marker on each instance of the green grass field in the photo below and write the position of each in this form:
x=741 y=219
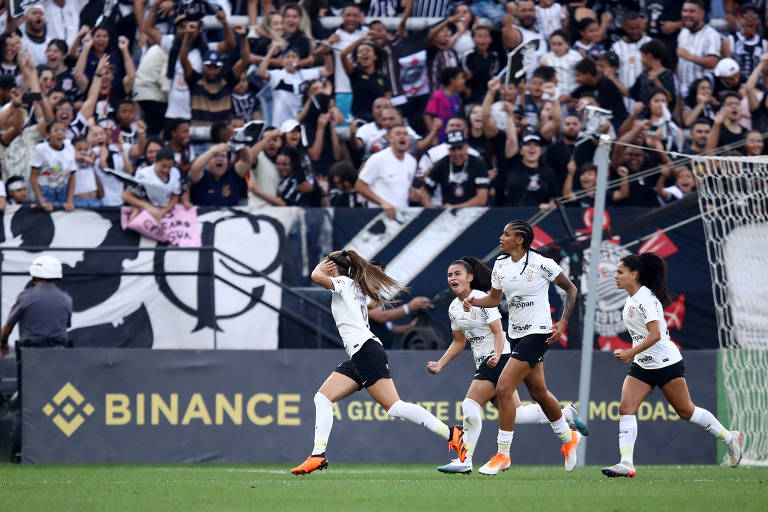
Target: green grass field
x=362 y=487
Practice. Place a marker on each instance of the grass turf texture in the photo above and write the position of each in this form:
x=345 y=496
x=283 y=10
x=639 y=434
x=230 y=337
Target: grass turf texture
x=363 y=487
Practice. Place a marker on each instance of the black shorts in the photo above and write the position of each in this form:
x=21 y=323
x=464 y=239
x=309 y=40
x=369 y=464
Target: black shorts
x=658 y=377
x=367 y=366
x=529 y=348
x=484 y=372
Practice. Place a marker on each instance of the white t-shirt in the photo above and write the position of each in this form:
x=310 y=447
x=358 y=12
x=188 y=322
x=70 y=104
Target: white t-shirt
x=178 y=94
x=564 y=71
x=286 y=92
x=265 y=175
x=527 y=293
x=435 y=154
x=390 y=178
x=63 y=22
x=475 y=326
x=36 y=49
x=340 y=78
x=85 y=179
x=349 y=306
x=113 y=187
x=370 y=132
x=172 y=186
x=642 y=308
x=55 y=164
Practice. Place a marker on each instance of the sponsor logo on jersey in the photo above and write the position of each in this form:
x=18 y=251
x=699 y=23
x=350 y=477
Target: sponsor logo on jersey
x=547 y=271
x=645 y=359
x=517 y=302
x=642 y=310
x=528 y=275
x=520 y=328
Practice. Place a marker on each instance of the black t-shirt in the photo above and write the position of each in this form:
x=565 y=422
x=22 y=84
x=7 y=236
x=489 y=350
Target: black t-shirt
x=288 y=189
x=300 y=42
x=608 y=96
x=656 y=11
x=365 y=89
x=728 y=137
x=488 y=148
x=458 y=184
x=482 y=68
x=559 y=154
x=643 y=191
x=529 y=186
x=643 y=87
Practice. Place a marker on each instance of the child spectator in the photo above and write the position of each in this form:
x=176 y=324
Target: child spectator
x=480 y=65
x=88 y=189
x=589 y=44
x=445 y=102
x=342 y=176
x=685 y=184
x=549 y=17
x=587 y=182
x=16 y=189
x=440 y=52
x=52 y=166
x=563 y=59
x=162 y=173
x=366 y=79
x=294 y=188
x=109 y=156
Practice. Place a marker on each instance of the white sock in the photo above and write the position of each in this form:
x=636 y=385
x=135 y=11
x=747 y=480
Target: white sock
x=627 y=436
x=323 y=422
x=420 y=416
x=708 y=422
x=473 y=424
x=561 y=429
x=504 y=440
x=530 y=414
x=568 y=414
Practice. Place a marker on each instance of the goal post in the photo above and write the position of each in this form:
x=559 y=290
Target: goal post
x=733 y=198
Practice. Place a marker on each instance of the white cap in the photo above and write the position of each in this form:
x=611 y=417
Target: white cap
x=289 y=125
x=36 y=5
x=726 y=67
x=46 y=267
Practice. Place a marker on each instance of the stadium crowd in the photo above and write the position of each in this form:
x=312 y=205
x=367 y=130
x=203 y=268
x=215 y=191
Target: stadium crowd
x=144 y=87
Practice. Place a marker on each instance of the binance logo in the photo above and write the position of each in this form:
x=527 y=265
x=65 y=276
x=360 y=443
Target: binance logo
x=69 y=402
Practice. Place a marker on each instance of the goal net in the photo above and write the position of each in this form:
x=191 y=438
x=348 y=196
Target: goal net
x=733 y=197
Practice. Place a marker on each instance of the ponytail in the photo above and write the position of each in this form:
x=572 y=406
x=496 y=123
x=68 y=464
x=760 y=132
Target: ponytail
x=374 y=282
x=652 y=273
x=480 y=272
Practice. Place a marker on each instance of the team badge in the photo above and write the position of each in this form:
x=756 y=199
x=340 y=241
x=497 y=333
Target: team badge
x=528 y=275
x=631 y=312
x=473 y=313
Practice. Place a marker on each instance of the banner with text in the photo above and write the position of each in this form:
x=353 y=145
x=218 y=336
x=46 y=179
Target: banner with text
x=134 y=405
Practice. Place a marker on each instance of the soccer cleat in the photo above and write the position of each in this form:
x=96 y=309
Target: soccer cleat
x=569 y=451
x=577 y=422
x=313 y=462
x=456 y=466
x=621 y=469
x=497 y=464
x=734 y=448
x=456 y=442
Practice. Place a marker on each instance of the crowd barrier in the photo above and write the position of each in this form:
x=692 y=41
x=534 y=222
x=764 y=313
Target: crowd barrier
x=134 y=405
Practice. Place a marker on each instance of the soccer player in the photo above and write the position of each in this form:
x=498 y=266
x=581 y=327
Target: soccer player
x=656 y=361
x=523 y=276
x=358 y=286
x=482 y=328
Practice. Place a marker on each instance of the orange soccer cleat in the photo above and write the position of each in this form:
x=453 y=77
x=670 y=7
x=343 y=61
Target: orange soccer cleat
x=456 y=442
x=496 y=465
x=313 y=462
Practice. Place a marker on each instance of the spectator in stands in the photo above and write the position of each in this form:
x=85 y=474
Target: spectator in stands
x=446 y=101
x=390 y=46
x=10 y=48
x=298 y=34
x=589 y=44
x=655 y=75
x=148 y=88
x=480 y=64
x=550 y=114
x=342 y=176
x=286 y=83
x=319 y=124
x=560 y=153
x=549 y=18
x=177 y=135
x=316 y=9
x=154 y=144
x=64 y=75
x=685 y=184
x=529 y=181
x=461 y=178
x=97 y=44
x=108 y=156
x=63 y=19
x=698 y=46
x=109 y=94
x=34 y=33
x=88 y=189
x=601 y=88
x=587 y=182
x=642 y=191
x=292 y=138
x=362 y=136
x=628 y=49
x=350 y=32
x=440 y=52
x=163 y=173
x=660 y=118
x=245 y=103
x=214 y=182
x=294 y=188
x=365 y=77
x=746 y=46
x=462 y=40
x=726 y=128
x=563 y=59
x=387 y=176
x=754 y=144
x=727 y=77
x=211 y=91
x=16 y=189
x=700 y=102
x=264 y=173
x=698 y=139
x=178 y=93
x=271 y=30
x=486 y=147
x=52 y=169
x=433 y=155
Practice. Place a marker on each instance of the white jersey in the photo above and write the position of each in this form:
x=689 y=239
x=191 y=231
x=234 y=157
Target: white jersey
x=349 y=306
x=549 y=19
x=706 y=41
x=527 y=292
x=475 y=324
x=642 y=308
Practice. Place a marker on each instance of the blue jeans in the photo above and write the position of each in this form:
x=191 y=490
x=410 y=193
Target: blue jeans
x=55 y=196
x=489 y=9
x=87 y=202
